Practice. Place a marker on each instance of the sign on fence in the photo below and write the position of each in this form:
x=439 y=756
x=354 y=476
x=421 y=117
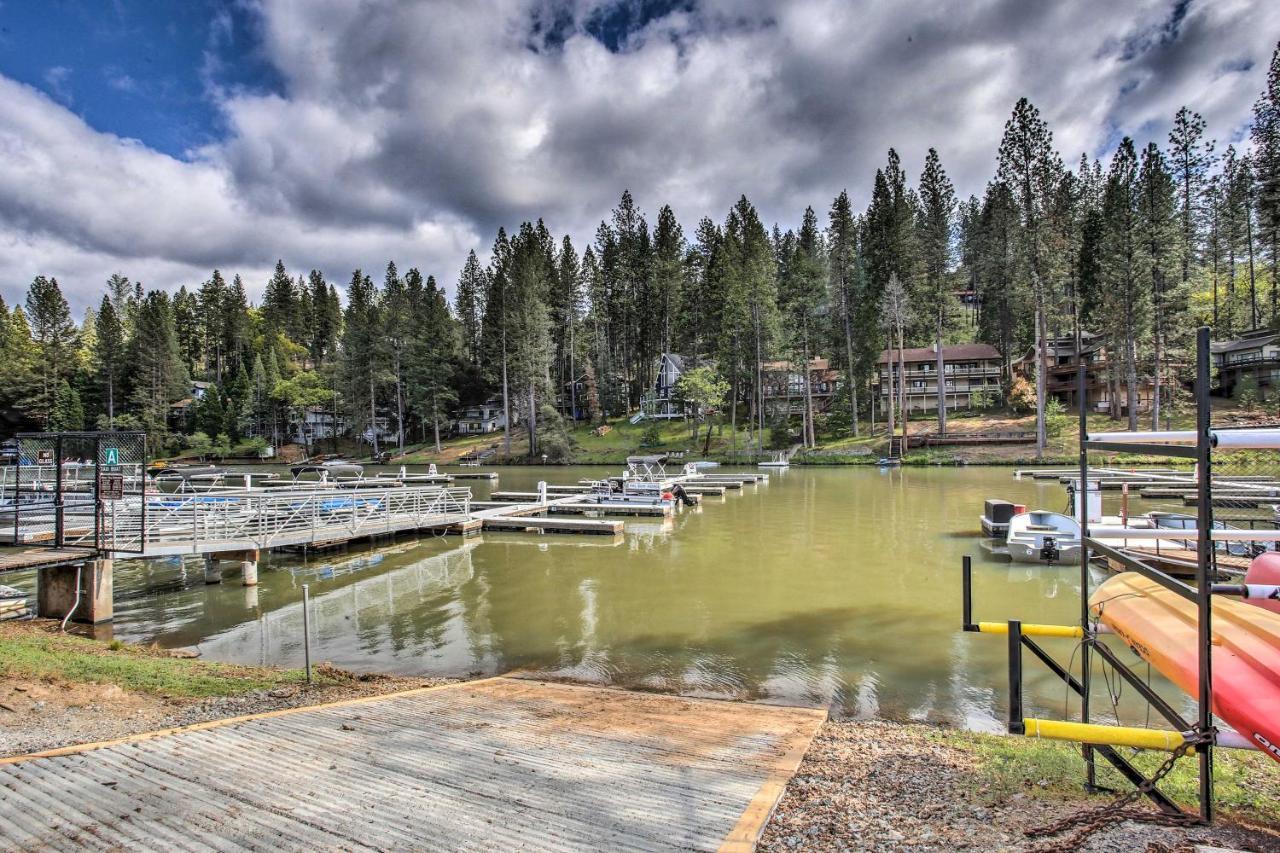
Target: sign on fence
x=111 y=456
x=111 y=487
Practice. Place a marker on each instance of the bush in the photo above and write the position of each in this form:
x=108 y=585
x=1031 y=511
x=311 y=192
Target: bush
x=1246 y=391
x=1056 y=418
x=779 y=437
x=652 y=435
x=1022 y=395
x=981 y=398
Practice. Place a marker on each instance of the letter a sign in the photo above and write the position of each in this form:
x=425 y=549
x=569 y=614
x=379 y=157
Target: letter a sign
x=111 y=456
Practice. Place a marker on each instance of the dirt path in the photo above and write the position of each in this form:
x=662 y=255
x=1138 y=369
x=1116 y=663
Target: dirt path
x=889 y=786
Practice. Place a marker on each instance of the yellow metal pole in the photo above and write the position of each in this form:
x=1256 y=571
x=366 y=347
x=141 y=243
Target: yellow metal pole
x=1033 y=630
x=1109 y=735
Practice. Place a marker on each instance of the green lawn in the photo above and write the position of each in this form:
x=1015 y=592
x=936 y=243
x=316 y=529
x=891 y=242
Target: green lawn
x=35 y=654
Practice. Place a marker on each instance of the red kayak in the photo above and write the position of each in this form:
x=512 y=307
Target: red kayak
x=1160 y=625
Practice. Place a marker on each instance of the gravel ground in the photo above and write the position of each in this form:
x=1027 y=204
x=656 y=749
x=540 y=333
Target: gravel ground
x=886 y=786
x=36 y=715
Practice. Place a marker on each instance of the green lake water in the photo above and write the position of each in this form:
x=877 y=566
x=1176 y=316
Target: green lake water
x=826 y=586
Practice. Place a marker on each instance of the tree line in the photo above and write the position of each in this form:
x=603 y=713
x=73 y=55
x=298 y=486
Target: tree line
x=1169 y=234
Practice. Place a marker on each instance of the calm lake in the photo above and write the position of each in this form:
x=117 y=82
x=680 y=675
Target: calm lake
x=832 y=587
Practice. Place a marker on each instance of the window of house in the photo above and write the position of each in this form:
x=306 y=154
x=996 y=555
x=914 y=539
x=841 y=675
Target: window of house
x=917 y=383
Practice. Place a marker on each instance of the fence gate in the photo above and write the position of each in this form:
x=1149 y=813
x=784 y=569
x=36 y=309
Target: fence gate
x=77 y=490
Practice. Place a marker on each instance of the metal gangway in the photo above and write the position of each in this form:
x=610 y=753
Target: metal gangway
x=226 y=520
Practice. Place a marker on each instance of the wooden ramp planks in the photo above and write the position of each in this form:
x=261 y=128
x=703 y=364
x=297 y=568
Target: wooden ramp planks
x=493 y=764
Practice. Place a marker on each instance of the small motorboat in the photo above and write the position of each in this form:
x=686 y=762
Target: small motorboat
x=889 y=462
x=1043 y=537
x=996 y=515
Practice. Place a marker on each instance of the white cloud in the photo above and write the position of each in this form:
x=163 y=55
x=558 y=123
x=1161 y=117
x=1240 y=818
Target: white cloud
x=411 y=131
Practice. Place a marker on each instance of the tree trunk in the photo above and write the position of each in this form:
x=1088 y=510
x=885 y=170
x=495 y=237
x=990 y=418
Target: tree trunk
x=1253 y=287
x=1042 y=437
x=811 y=438
x=902 y=383
x=435 y=420
x=506 y=402
x=399 y=406
x=373 y=415
x=533 y=423
x=1131 y=379
x=889 y=372
x=848 y=354
x=573 y=380
x=942 y=382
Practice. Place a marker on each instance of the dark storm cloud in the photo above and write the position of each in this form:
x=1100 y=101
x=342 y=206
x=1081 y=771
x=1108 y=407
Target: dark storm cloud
x=412 y=131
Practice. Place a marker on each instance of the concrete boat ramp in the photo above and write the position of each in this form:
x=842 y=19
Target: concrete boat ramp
x=494 y=764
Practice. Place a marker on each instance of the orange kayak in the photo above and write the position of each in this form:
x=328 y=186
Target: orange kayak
x=1160 y=626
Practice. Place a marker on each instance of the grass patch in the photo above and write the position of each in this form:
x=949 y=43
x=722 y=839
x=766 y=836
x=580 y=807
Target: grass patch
x=39 y=655
x=1246 y=782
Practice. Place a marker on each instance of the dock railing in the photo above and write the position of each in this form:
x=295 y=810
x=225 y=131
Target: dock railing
x=230 y=519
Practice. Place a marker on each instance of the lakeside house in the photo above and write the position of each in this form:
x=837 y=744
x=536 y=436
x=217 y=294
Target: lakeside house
x=664 y=402
x=783 y=383
x=315 y=424
x=481 y=418
x=966 y=369
x=1062 y=378
x=1255 y=353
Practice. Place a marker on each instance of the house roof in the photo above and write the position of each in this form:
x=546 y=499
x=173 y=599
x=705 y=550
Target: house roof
x=1249 y=341
x=956 y=352
x=677 y=361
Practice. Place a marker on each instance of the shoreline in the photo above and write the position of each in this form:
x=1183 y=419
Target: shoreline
x=862 y=784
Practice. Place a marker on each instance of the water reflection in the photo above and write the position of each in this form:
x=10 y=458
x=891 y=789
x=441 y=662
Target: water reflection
x=823 y=587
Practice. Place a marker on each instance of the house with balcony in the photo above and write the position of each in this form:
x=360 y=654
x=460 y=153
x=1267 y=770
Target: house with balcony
x=316 y=423
x=783 y=383
x=481 y=418
x=663 y=402
x=967 y=369
x=1062 y=374
x=1256 y=353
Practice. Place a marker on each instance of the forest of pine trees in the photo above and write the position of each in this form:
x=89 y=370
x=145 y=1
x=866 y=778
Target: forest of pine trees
x=1170 y=233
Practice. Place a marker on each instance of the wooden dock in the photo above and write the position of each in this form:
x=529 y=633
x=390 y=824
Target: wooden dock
x=502 y=763
x=18 y=559
x=636 y=509
x=475 y=475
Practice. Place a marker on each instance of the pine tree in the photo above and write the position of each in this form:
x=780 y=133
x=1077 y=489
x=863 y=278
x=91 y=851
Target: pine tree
x=186 y=311
x=668 y=274
x=1191 y=158
x=1266 y=151
x=566 y=315
x=280 y=302
x=1158 y=246
x=938 y=204
x=54 y=334
x=159 y=375
x=470 y=308
x=399 y=323
x=235 y=327
x=109 y=355
x=1030 y=168
x=362 y=370
x=842 y=284
x=1126 y=298
x=802 y=298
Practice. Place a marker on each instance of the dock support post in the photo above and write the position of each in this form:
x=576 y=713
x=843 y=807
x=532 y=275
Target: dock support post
x=91 y=600
x=212 y=574
x=249 y=571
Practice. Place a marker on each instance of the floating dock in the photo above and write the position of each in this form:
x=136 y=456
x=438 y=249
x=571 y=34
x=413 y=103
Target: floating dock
x=501 y=763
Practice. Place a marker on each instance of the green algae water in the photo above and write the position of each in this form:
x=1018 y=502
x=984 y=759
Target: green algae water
x=824 y=586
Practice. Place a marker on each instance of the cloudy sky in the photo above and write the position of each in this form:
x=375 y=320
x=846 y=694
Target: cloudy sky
x=162 y=139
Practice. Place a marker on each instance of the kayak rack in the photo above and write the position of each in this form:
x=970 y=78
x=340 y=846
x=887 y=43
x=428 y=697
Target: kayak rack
x=1200 y=733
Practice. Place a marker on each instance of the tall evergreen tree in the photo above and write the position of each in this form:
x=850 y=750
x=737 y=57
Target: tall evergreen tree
x=159 y=374
x=1126 y=298
x=1030 y=168
x=842 y=285
x=54 y=334
x=936 y=222
x=1159 y=240
x=109 y=356
x=470 y=308
x=1191 y=158
x=1266 y=151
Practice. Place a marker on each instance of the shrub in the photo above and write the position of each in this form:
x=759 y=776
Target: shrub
x=652 y=435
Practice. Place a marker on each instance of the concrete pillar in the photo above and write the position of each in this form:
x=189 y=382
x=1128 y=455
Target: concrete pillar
x=92 y=601
x=251 y=597
x=249 y=571
x=212 y=573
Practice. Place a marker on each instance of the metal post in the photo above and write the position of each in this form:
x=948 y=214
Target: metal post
x=306 y=629
x=967 y=593
x=1016 y=724
x=1204 y=554
x=1086 y=664
x=97 y=492
x=58 y=507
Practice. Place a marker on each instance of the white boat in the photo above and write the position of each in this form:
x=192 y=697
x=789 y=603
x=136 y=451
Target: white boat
x=1043 y=537
x=774 y=463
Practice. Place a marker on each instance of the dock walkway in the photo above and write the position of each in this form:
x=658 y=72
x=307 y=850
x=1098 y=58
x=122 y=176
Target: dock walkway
x=502 y=763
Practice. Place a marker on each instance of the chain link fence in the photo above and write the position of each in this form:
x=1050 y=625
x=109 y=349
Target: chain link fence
x=76 y=490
